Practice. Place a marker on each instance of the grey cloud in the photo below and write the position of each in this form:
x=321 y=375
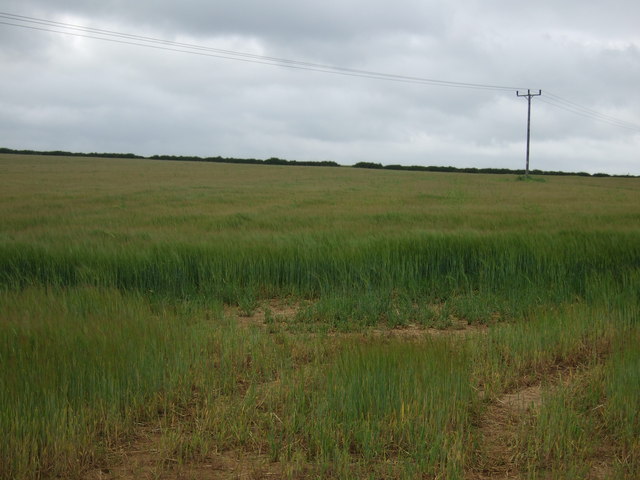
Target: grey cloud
x=277 y=18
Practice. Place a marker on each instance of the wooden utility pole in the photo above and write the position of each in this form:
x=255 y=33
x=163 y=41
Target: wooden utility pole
x=528 y=95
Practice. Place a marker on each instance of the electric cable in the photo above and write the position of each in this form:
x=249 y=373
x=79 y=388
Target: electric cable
x=39 y=24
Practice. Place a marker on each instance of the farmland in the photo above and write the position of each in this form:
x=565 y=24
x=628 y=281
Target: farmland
x=167 y=319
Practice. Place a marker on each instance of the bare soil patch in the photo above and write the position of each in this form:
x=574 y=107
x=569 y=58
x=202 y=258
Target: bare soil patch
x=278 y=311
x=417 y=331
x=499 y=428
x=526 y=399
x=272 y=310
x=145 y=459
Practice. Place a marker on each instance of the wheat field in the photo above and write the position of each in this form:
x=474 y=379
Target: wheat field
x=165 y=319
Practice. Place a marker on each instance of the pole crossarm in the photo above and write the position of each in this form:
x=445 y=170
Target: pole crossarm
x=529 y=94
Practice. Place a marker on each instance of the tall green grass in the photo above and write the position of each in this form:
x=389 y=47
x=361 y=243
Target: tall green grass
x=622 y=393
x=583 y=356
x=77 y=365
x=591 y=418
x=82 y=367
x=410 y=404
x=537 y=266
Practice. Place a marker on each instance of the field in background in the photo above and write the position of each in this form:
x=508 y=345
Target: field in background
x=289 y=321
x=141 y=202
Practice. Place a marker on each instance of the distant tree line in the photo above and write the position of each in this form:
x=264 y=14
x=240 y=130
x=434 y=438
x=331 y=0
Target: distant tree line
x=60 y=153
x=250 y=161
x=324 y=163
x=499 y=171
x=178 y=158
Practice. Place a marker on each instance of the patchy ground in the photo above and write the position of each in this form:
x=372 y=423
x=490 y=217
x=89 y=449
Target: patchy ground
x=280 y=312
x=498 y=428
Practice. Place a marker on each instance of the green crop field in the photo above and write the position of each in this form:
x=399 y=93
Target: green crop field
x=164 y=319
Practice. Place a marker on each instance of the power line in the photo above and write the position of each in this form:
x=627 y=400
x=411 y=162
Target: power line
x=577 y=109
x=39 y=24
x=168 y=45
x=618 y=124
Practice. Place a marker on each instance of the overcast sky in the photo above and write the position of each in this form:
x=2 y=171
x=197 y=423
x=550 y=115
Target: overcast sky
x=61 y=92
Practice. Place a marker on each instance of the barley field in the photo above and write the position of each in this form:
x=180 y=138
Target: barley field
x=165 y=319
